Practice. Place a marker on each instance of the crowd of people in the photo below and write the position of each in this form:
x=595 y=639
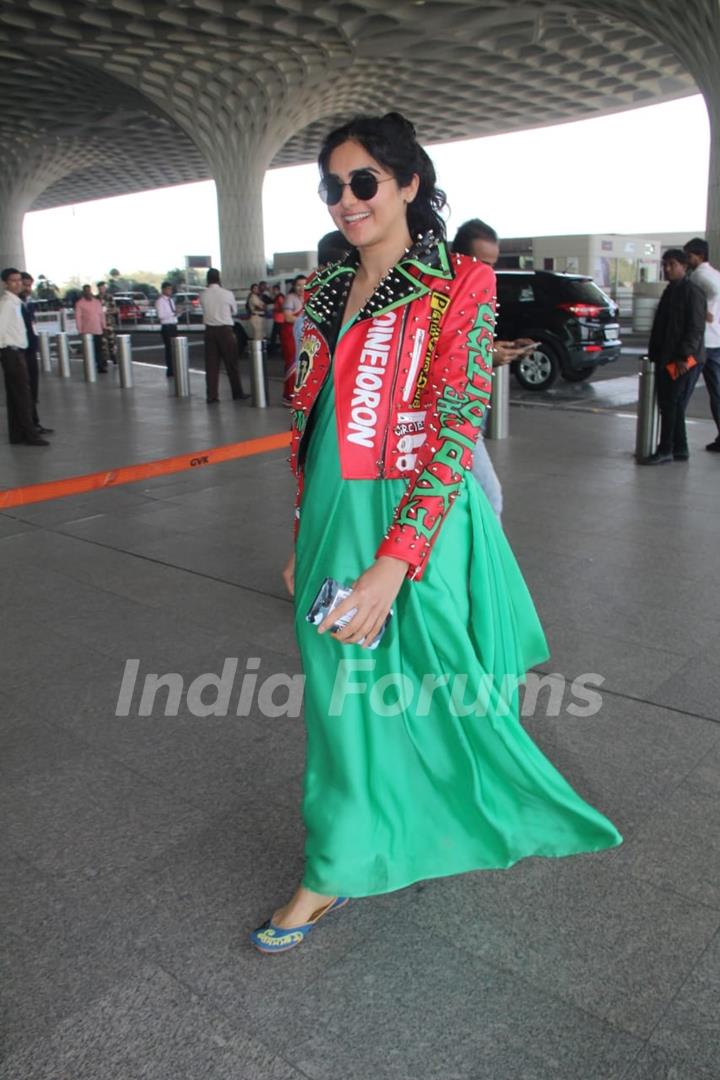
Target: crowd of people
x=684 y=341
x=19 y=358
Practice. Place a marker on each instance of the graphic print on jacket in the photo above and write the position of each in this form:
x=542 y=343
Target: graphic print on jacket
x=412 y=382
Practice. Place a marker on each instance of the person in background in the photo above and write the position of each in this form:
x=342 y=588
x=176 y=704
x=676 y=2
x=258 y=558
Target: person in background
x=333 y=247
x=676 y=346
x=278 y=302
x=219 y=306
x=708 y=278
x=31 y=353
x=480 y=241
x=265 y=294
x=292 y=310
x=13 y=345
x=107 y=300
x=255 y=306
x=90 y=319
x=167 y=317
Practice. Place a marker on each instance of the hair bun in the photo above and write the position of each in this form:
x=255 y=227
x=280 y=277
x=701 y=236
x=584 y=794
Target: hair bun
x=398 y=120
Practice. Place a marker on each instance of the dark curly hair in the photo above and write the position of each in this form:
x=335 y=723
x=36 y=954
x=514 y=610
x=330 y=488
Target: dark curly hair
x=391 y=140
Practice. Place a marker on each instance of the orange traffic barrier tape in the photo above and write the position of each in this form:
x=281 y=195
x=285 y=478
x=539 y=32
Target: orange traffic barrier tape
x=128 y=474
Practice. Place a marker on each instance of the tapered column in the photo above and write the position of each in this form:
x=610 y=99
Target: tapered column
x=240 y=217
x=12 y=213
x=713 y=203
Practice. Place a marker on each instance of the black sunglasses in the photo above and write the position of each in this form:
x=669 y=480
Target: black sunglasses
x=363 y=184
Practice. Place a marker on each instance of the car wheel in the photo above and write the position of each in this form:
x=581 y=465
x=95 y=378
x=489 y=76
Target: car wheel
x=579 y=374
x=539 y=369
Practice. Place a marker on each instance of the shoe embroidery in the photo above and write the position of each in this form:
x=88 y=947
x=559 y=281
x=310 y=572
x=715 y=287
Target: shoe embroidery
x=274 y=937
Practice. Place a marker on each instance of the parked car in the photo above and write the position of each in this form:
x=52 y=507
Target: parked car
x=188 y=307
x=128 y=310
x=136 y=296
x=574 y=321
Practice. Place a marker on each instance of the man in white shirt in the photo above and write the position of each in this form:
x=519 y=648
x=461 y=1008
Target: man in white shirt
x=167 y=316
x=708 y=278
x=219 y=306
x=13 y=343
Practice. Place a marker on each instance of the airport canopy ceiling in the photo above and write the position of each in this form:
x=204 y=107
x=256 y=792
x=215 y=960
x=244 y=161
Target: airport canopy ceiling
x=105 y=97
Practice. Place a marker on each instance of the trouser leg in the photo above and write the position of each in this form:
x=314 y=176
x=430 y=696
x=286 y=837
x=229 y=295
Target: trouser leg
x=231 y=360
x=667 y=404
x=484 y=473
x=18 y=396
x=168 y=331
x=212 y=363
x=33 y=370
x=100 y=363
x=711 y=375
x=672 y=399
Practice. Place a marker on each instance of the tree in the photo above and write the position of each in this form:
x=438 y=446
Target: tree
x=116 y=282
x=176 y=276
x=46 y=289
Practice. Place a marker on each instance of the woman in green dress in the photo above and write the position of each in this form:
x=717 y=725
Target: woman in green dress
x=416 y=763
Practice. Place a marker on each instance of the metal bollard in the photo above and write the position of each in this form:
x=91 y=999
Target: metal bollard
x=63 y=352
x=180 y=366
x=499 y=416
x=257 y=375
x=88 y=347
x=44 y=339
x=62 y=320
x=124 y=351
x=647 y=414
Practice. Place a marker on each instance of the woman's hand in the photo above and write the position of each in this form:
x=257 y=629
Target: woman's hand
x=289 y=574
x=373 y=595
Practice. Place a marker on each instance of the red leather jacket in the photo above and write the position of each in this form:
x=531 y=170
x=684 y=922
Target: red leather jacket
x=412 y=382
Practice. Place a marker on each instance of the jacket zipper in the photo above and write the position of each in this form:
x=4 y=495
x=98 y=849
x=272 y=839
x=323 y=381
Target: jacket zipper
x=398 y=357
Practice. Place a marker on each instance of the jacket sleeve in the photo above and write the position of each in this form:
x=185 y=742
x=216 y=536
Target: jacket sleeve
x=694 y=328
x=461 y=375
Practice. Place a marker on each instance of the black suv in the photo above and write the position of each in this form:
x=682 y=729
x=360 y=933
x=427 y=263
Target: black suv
x=574 y=321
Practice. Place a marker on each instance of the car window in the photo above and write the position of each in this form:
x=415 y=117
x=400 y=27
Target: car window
x=515 y=290
x=583 y=291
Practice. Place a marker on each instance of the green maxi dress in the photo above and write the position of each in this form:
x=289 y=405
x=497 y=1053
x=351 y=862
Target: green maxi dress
x=399 y=785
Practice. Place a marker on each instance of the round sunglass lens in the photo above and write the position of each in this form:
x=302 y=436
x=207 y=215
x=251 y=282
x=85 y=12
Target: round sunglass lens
x=330 y=190
x=364 y=185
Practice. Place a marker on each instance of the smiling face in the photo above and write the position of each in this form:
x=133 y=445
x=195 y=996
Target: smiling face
x=379 y=220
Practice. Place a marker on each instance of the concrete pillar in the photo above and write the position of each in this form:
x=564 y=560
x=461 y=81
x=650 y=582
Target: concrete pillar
x=713 y=203
x=12 y=213
x=240 y=217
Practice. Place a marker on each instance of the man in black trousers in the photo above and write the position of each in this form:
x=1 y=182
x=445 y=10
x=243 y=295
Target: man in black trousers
x=31 y=353
x=13 y=343
x=167 y=317
x=677 y=349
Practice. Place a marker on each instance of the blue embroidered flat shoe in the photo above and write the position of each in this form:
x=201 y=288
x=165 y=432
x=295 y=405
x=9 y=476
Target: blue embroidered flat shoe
x=270 y=938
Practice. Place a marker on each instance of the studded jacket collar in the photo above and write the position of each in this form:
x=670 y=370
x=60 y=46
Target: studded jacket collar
x=327 y=291
x=412 y=381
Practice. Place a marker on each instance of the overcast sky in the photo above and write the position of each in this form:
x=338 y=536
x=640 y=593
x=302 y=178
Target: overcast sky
x=613 y=174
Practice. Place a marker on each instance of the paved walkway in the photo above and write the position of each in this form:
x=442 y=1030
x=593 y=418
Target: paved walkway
x=138 y=849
